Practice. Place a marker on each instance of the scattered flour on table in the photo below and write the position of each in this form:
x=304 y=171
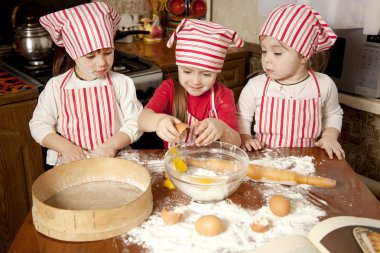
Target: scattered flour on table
x=237 y=237
x=300 y=164
x=157 y=237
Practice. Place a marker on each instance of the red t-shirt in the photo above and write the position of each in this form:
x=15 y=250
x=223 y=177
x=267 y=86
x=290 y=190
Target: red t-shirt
x=198 y=106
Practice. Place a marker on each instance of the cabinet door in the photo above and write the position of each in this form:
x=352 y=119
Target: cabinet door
x=233 y=74
x=21 y=161
x=13 y=187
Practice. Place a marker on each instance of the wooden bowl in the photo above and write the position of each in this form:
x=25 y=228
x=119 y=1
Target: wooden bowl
x=92 y=199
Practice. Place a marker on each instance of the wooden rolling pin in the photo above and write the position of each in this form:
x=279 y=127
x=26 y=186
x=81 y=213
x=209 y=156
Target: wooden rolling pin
x=258 y=172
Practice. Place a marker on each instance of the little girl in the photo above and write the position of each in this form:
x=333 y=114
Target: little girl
x=88 y=110
x=290 y=104
x=198 y=98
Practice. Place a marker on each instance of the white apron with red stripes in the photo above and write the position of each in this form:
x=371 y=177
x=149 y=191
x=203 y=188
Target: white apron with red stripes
x=88 y=114
x=290 y=122
x=190 y=136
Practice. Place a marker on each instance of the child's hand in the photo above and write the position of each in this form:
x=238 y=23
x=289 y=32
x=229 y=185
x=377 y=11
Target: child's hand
x=72 y=153
x=166 y=129
x=208 y=130
x=247 y=143
x=332 y=146
x=104 y=150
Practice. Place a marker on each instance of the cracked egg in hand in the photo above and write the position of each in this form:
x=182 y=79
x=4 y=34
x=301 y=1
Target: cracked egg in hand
x=206 y=173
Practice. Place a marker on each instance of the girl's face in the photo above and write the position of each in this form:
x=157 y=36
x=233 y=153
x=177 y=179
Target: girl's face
x=196 y=81
x=95 y=64
x=281 y=62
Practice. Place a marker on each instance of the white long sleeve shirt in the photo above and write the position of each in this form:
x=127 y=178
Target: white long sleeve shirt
x=47 y=114
x=248 y=106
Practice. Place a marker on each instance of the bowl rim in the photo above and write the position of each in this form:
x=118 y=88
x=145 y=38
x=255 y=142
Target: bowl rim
x=177 y=175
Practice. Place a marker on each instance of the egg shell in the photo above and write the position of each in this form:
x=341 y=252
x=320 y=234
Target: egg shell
x=169 y=217
x=181 y=127
x=279 y=205
x=260 y=225
x=209 y=225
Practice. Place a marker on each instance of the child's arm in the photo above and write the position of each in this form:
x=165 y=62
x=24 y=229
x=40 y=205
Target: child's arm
x=212 y=129
x=161 y=123
x=69 y=151
x=329 y=142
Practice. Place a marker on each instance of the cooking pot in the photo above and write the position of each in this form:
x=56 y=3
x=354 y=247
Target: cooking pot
x=32 y=41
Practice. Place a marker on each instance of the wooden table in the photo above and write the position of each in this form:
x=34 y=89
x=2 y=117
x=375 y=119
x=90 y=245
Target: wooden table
x=349 y=197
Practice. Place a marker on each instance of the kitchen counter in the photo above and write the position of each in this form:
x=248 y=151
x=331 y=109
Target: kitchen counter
x=366 y=104
x=349 y=197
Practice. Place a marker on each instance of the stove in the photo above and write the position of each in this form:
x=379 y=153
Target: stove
x=146 y=75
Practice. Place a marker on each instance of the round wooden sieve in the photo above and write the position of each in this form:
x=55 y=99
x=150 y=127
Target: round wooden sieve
x=93 y=215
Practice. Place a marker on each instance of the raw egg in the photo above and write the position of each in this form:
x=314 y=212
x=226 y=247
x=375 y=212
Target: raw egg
x=279 y=205
x=169 y=217
x=260 y=225
x=209 y=225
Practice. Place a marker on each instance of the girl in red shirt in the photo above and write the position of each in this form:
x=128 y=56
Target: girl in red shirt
x=197 y=98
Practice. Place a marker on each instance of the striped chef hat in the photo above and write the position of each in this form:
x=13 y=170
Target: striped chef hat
x=202 y=44
x=300 y=27
x=83 y=28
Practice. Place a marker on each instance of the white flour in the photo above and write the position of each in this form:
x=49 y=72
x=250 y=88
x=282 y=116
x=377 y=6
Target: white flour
x=157 y=237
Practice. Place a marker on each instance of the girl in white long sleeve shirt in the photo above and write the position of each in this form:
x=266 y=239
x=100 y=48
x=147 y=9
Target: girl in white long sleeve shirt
x=88 y=111
x=291 y=105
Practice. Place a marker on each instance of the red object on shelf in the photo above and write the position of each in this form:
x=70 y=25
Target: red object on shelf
x=9 y=83
x=176 y=7
x=198 y=7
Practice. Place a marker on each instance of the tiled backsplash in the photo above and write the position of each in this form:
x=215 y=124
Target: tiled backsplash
x=360 y=139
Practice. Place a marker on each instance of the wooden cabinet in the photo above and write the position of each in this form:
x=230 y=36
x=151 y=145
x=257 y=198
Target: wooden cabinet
x=21 y=161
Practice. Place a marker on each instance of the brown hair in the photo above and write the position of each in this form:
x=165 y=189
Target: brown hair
x=62 y=61
x=180 y=98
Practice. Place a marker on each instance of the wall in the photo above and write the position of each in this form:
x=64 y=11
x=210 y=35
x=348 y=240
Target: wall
x=240 y=15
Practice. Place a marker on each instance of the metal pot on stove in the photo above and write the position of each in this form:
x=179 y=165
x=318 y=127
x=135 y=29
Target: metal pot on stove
x=32 y=41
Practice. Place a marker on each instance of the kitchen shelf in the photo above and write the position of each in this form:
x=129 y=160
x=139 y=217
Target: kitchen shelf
x=366 y=104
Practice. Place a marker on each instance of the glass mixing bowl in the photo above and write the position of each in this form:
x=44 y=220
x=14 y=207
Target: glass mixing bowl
x=206 y=173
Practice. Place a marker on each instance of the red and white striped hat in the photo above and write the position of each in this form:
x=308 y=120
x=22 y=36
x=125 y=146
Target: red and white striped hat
x=300 y=27
x=83 y=28
x=202 y=44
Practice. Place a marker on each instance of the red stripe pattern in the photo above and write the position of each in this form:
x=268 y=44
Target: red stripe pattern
x=203 y=44
x=83 y=28
x=89 y=114
x=300 y=27
x=290 y=122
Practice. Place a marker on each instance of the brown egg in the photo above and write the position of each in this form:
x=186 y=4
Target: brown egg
x=209 y=225
x=279 y=205
x=181 y=127
x=169 y=217
x=260 y=225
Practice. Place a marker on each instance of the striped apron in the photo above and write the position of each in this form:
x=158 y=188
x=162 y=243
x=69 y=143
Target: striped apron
x=288 y=122
x=88 y=114
x=190 y=136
